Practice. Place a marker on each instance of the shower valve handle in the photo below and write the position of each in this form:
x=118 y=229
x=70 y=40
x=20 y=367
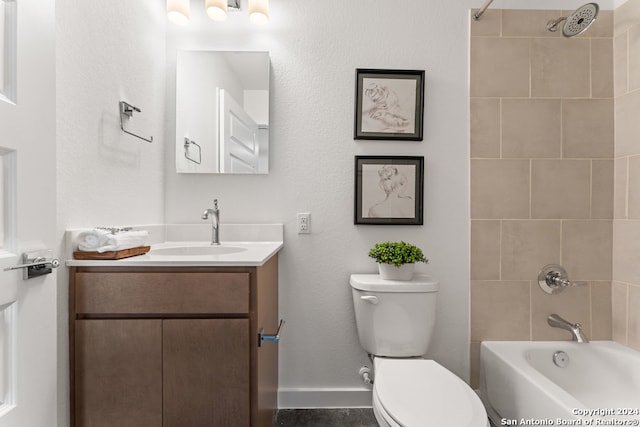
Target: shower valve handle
x=553 y=279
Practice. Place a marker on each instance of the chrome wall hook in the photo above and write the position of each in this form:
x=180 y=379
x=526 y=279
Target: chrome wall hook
x=127 y=111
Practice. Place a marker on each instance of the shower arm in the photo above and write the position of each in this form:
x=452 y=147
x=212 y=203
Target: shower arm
x=481 y=11
x=552 y=25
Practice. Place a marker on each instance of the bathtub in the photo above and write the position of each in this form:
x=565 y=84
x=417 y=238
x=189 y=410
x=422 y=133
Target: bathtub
x=531 y=383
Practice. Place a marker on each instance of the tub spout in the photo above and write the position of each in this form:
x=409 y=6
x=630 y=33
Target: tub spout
x=556 y=321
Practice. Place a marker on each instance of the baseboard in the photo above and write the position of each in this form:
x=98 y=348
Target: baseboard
x=306 y=398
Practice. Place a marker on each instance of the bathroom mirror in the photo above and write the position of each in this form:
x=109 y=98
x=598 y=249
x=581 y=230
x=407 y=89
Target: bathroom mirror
x=222 y=112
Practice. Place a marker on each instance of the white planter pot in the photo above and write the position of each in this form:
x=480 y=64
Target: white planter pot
x=391 y=272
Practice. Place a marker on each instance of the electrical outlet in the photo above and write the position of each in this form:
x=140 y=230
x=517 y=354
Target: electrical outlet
x=304 y=223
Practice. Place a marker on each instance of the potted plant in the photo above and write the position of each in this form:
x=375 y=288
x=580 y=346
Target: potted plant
x=396 y=260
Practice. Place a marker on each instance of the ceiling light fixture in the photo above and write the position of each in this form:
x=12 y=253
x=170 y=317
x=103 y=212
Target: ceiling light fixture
x=259 y=11
x=178 y=11
x=217 y=9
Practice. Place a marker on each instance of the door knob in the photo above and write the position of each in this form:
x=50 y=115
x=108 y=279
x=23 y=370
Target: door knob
x=35 y=264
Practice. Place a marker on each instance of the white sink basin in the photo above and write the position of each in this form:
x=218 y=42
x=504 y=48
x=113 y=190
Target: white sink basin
x=196 y=250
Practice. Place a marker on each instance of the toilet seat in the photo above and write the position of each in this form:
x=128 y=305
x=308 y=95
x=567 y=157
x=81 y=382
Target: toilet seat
x=422 y=393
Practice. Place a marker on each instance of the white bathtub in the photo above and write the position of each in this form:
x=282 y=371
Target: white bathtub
x=521 y=385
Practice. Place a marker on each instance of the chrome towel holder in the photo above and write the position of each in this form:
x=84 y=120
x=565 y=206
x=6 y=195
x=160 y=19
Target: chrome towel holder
x=127 y=110
x=187 y=143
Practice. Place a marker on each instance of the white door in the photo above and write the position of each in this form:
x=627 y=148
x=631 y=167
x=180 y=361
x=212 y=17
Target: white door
x=28 y=316
x=238 y=136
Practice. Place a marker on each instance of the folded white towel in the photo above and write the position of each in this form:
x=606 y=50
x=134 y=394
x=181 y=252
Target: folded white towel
x=97 y=240
x=91 y=240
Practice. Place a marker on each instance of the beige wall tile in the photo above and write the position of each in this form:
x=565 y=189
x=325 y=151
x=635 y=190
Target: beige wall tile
x=495 y=301
x=528 y=23
x=602 y=68
x=620 y=65
x=560 y=68
x=531 y=135
x=485 y=250
x=626 y=247
x=620 y=188
x=619 y=303
x=633 y=336
x=485 y=127
x=587 y=128
x=628 y=124
x=634 y=187
x=531 y=128
x=499 y=189
x=560 y=189
x=488 y=24
x=625 y=16
x=634 y=57
x=586 y=249
x=527 y=246
x=601 y=311
x=602 y=183
x=571 y=304
x=499 y=67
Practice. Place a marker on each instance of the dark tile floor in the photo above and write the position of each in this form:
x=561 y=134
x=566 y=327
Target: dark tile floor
x=347 y=417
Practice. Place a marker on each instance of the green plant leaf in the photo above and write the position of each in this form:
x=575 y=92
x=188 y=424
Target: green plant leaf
x=397 y=253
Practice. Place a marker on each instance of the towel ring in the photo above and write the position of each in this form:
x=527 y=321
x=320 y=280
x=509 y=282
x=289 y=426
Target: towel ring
x=187 y=143
x=127 y=110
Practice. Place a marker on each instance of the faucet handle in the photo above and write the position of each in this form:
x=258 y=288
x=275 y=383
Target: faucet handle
x=553 y=279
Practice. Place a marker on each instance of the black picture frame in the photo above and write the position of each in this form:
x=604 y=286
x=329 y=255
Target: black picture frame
x=389 y=190
x=389 y=104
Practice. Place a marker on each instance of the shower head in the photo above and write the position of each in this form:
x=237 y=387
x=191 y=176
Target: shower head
x=578 y=22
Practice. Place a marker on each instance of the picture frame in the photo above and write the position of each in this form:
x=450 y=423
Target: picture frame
x=389 y=190
x=389 y=104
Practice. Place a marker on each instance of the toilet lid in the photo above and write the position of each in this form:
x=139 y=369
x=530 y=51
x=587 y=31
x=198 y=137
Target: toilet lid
x=418 y=392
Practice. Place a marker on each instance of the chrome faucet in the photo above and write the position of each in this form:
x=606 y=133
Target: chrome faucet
x=556 y=321
x=215 y=222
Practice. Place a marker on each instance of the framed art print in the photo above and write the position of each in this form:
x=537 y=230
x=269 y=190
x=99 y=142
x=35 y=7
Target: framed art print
x=389 y=190
x=389 y=104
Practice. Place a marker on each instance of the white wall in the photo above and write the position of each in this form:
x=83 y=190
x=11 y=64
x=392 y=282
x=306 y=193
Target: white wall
x=106 y=52
x=315 y=48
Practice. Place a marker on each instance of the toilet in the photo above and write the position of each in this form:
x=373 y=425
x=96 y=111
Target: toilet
x=395 y=322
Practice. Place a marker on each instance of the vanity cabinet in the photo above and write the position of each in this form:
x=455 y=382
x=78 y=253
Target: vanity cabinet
x=169 y=346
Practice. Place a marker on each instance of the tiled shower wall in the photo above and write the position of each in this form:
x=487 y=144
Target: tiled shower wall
x=542 y=175
x=626 y=224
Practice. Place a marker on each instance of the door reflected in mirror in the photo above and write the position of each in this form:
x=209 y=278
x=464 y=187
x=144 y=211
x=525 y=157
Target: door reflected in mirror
x=222 y=112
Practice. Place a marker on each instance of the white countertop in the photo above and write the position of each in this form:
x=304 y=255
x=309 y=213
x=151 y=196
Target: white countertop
x=265 y=241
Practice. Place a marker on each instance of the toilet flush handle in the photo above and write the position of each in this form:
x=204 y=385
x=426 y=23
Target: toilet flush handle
x=370 y=298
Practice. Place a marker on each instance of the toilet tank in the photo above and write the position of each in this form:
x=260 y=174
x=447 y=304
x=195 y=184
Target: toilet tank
x=394 y=318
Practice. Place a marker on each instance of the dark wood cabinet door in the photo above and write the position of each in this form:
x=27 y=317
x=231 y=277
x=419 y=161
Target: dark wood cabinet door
x=206 y=372
x=118 y=373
